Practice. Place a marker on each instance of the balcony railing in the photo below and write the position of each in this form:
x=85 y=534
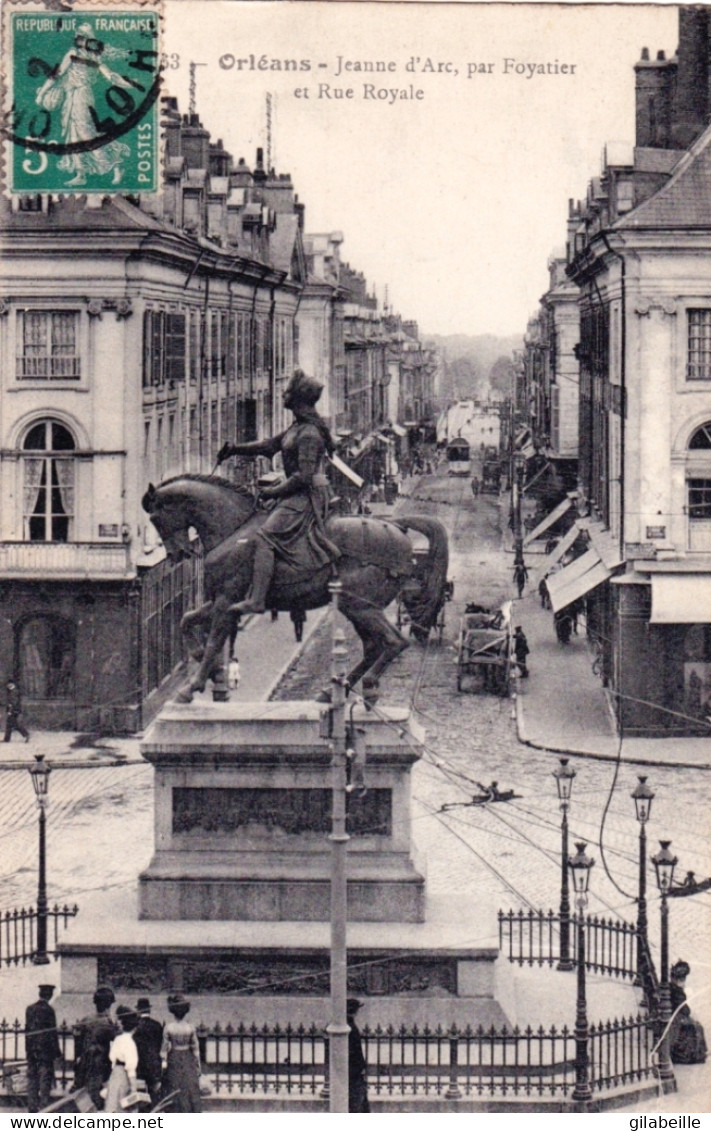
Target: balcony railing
x=64 y=559
x=48 y=368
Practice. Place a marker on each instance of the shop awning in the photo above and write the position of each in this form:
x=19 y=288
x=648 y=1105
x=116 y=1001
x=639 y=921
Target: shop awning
x=577 y=579
x=681 y=598
x=521 y=435
x=382 y=439
x=607 y=546
x=548 y=521
x=399 y=430
x=564 y=544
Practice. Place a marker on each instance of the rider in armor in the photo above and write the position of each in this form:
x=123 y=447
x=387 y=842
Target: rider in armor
x=295 y=529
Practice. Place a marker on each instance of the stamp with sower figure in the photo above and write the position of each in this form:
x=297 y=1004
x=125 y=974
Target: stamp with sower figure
x=82 y=100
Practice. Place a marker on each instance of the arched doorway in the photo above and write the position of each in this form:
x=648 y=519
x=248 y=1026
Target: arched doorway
x=46 y=654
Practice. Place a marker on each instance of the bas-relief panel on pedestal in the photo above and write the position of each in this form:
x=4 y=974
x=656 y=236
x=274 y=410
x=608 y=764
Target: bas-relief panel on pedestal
x=292 y=811
x=372 y=975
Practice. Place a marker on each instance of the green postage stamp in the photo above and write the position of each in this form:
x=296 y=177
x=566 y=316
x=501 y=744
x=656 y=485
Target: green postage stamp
x=81 y=109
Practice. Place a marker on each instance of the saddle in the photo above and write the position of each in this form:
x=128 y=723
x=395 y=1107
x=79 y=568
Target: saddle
x=372 y=541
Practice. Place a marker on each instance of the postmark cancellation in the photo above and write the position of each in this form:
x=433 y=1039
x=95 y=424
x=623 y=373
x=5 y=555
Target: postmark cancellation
x=81 y=98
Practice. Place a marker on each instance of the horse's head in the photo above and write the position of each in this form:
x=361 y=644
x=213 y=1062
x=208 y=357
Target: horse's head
x=170 y=521
x=208 y=504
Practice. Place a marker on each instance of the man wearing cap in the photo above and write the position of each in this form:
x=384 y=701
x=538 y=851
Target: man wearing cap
x=42 y=1049
x=357 y=1065
x=148 y=1037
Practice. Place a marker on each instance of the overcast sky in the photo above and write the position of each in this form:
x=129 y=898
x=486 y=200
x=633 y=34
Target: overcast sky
x=457 y=198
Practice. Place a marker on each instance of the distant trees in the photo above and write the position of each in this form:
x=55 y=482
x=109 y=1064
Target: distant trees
x=501 y=375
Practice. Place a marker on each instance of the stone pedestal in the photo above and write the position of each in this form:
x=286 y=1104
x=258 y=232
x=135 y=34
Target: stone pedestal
x=243 y=812
x=234 y=907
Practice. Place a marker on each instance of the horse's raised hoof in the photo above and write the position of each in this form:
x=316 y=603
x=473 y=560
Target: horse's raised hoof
x=185 y=695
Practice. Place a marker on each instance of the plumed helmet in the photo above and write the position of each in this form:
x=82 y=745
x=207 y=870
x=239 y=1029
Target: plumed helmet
x=305 y=389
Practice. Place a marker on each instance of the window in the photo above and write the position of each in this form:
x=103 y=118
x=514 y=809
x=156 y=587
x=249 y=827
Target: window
x=163 y=347
x=47 y=341
x=698 y=366
x=701 y=440
x=699 y=499
x=48 y=498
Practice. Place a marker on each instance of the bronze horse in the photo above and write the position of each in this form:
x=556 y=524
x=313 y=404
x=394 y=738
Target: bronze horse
x=376 y=564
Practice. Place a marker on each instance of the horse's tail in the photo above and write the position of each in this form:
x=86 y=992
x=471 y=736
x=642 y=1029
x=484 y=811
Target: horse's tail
x=423 y=602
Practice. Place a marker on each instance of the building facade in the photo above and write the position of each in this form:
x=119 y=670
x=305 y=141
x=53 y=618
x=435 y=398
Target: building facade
x=641 y=255
x=136 y=338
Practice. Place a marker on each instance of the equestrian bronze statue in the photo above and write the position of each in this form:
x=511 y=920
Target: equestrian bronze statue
x=284 y=558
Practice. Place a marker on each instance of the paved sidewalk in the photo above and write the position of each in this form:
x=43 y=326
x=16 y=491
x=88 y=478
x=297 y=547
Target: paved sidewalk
x=264 y=660
x=563 y=706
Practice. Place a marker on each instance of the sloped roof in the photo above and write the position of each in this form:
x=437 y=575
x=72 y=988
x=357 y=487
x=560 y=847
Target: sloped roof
x=685 y=200
x=72 y=214
x=282 y=239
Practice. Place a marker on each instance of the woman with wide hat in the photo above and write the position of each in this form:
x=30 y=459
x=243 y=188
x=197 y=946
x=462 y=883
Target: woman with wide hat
x=181 y=1056
x=295 y=529
x=687 y=1042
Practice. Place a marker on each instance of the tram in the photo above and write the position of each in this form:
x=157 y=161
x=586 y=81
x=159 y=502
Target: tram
x=458 y=457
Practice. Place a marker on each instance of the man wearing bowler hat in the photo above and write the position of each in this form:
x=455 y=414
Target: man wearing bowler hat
x=357 y=1066
x=148 y=1037
x=42 y=1049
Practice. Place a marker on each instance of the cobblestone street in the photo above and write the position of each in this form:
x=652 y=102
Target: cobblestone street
x=100 y=829
x=508 y=855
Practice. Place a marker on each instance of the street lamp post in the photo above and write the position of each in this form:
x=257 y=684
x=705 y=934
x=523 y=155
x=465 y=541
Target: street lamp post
x=39 y=773
x=519 y=469
x=580 y=866
x=564 y=781
x=642 y=796
x=338 y=1028
x=664 y=864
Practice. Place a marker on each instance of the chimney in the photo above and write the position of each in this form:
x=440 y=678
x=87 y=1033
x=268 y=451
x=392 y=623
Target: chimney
x=691 y=100
x=654 y=85
x=259 y=174
x=195 y=142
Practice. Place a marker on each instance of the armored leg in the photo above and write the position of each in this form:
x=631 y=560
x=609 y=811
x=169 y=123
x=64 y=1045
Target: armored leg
x=262 y=570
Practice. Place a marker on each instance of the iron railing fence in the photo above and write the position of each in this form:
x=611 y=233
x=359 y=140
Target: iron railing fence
x=620 y=1052
x=533 y=938
x=253 y=1061
x=18 y=932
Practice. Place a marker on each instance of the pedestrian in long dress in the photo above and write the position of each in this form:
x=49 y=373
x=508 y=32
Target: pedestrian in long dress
x=687 y=1041
x=521 y=651
x=181 y=1056
x=41 y=1048
x=123 y=1056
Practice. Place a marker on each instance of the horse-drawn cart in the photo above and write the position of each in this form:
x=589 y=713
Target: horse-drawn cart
x=484 y=657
